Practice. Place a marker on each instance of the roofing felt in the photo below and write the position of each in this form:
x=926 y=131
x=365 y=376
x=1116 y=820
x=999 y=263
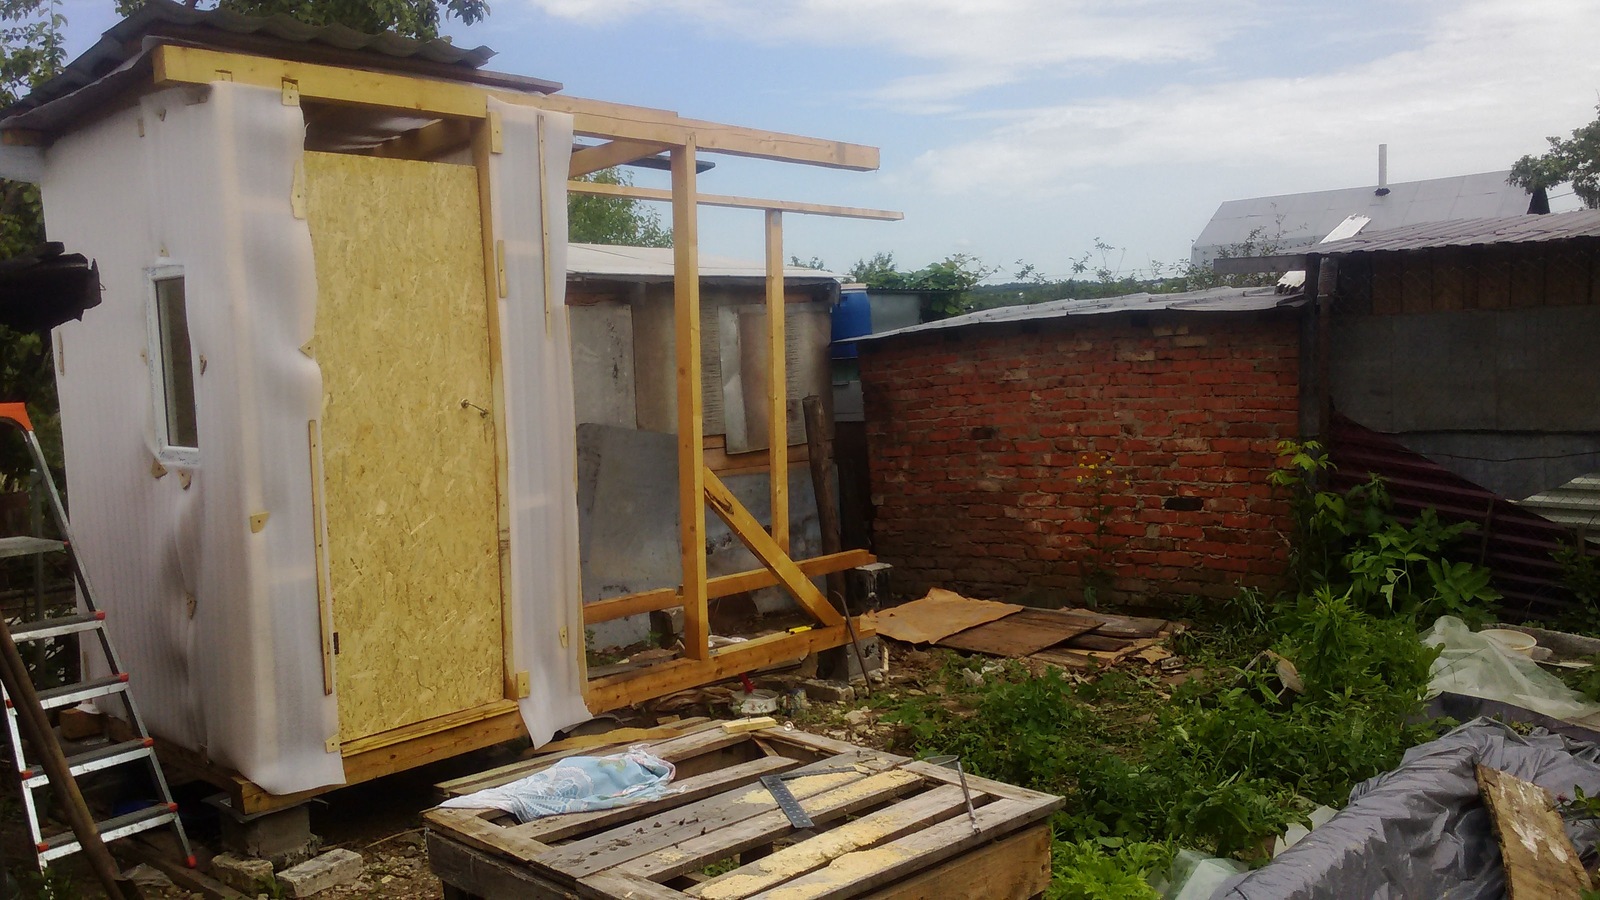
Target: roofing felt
x=1292 y=221
x=1583 y=223
x=1209 y=300
x=126 y=41
x=605 y=262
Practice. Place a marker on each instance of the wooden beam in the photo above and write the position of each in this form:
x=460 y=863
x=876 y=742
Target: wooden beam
x=617 y=691
x=761 y=544
x=615 y=153
x=634 y=192
x=691 y=425
x=777 y=385
x=413 y=94
x=429 y=142
x=720 y=586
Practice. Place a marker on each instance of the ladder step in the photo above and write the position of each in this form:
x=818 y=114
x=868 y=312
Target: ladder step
x=73 y=694
x=56 y=627
x=145 y=819
x=93 y=760
x=23 y=545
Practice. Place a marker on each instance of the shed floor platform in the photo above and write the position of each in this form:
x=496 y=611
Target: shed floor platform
x=886 y=827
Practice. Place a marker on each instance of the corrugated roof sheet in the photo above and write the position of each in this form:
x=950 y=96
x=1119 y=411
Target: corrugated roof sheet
x=1584 y=223
x=125 y=42
x=1303 y=219
x=1210 y=300
x=655 y=264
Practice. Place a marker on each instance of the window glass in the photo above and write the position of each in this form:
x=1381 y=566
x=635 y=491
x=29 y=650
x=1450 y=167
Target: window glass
x=177 y=369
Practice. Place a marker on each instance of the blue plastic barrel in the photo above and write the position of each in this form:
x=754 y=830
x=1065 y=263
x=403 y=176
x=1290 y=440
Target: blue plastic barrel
x=852 y=318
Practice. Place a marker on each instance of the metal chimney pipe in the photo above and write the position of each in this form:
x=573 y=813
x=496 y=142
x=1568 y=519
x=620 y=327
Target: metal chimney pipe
x=1383 y=170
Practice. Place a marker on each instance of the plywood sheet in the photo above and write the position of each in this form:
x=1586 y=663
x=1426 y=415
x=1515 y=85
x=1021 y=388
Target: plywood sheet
x=1021 y=633
x=1539 y=859
x=402 y=337
x=938 y=615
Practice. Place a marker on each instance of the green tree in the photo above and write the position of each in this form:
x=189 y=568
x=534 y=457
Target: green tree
x=412 y=18
x=1576 y=160
x=950 y=280
x=593 y=219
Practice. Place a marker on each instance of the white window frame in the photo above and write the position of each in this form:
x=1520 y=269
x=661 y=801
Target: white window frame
x=166 y=451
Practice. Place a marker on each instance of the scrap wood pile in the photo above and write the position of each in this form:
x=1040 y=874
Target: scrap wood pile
x=1070 y=638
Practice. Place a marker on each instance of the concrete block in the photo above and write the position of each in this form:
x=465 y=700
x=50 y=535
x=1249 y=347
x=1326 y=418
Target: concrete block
x=822 y=691
x=241 y=873
x=331 y=869
x=282 y=837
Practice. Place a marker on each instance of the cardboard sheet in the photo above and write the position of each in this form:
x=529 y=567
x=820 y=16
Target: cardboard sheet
x=938 y=615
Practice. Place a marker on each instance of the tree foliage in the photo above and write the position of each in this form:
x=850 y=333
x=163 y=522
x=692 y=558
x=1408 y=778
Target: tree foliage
x=412 y=18
x=951 y=278
x=1576 y=159
x=618 y=221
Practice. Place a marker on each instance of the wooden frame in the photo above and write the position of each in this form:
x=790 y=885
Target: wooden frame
x=629 y=133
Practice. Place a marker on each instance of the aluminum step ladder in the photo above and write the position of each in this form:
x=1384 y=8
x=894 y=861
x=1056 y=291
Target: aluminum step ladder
x=139 y=748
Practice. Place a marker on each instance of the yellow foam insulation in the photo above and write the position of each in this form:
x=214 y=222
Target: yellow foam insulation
x=402 y=337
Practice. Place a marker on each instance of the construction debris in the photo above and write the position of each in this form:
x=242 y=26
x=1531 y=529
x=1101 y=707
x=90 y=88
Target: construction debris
x=1539 y=859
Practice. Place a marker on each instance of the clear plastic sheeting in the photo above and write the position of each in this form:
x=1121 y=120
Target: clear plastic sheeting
x=1421 y=830
x=216 y=618
x=1477 y=666
x=527 y=203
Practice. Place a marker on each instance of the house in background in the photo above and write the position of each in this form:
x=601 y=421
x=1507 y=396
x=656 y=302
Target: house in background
x=1288 y=223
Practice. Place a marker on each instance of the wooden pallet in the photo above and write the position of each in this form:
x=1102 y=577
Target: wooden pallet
x=891 y=827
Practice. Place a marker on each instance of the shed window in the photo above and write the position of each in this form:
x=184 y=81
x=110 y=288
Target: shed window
x=174 y=378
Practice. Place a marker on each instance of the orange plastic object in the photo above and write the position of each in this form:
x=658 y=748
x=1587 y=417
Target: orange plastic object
x=18 y=413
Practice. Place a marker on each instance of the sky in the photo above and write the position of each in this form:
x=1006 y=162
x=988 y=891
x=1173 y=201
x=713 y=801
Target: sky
x=1025 y=130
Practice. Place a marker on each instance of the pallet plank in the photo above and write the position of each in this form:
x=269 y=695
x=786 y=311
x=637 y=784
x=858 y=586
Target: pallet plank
x=1539 y=859
x=704 y=736
x=888 y=824
x=855 y=873
x=556 y=828
x=697 y=852
x=1012 y=868
x=611 y=848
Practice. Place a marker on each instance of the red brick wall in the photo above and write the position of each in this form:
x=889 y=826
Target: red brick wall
x=978 y=441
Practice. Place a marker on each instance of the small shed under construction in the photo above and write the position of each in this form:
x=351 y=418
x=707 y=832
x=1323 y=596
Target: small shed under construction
x=320 y=434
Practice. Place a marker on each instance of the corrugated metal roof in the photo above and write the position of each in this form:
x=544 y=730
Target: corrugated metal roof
x=1584 y=223
x=655 y=264
x=1576 y=503
x=1210 y=300
x=164 y=20
x=1303 y=219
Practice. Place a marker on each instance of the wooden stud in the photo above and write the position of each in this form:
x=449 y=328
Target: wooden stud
x=612 y=153
x=496 y=134
x=173 y=64
x=691 y=447
x=494 y=288
x=777 y=385
x=291 y=92
x=319 y=534
x=627 y=689
x=762 y=545
x=634 y=192
x=720 y=586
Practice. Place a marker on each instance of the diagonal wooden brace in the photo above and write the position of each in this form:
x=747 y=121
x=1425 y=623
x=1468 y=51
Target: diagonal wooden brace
x=755 y=537
x=613 y=153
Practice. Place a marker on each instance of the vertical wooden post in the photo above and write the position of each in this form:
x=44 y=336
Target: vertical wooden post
x=691 y=447
x=819 y=447
x=777 y=384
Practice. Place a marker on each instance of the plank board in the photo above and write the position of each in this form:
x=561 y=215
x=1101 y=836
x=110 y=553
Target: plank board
x=1021 y=633
x=938 y=615
x=410 y=463
x=1539 y=859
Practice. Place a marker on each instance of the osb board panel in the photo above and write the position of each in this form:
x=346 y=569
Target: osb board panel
x=1021 y=633
x=409 y=459
x=938 y=615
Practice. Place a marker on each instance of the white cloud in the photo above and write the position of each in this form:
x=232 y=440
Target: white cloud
x=1485 y=84
x=964 y=45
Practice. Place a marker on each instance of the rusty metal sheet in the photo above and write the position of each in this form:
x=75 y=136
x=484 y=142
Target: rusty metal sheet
x=1022 y=633
x=938 y=615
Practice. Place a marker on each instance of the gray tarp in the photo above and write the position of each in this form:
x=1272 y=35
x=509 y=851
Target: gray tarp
x=1421 y=830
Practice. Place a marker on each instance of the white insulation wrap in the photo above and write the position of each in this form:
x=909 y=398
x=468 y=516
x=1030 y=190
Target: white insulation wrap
x=528 y=208
x=217 y=621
